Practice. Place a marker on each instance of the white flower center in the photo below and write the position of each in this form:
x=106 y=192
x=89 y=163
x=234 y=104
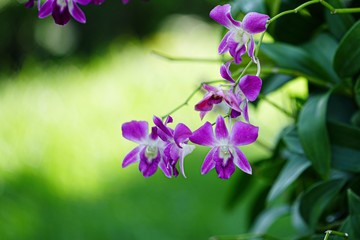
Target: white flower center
x=151 y=152
x=225 y=153
x=62 y=4
x=241 y=36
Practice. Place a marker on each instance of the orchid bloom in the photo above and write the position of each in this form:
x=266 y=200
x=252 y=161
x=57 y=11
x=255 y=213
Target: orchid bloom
x=176 y=148
x=62 y=10
x=150 y=150
x=225 y=154
x=247 y=90
x=239 y=39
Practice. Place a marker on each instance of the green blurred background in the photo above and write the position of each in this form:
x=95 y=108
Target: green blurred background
x=64 y=93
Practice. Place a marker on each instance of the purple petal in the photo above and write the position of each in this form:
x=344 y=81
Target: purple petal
x=224 y=170
x=236 y=50
x=29 y=4
x=250 y=86
x=135 y=131
x=125 y=1
x=243 y=133
x=234 y=114
x=169 y=119
x=241 y=161
x=46 y=9
x=221 y=131
x=86 y=2
x=223 y=46
x=165 y=168
x=208 y=163
x=132 y=156
x=153 y=135
x=202 y=114
x=148 y=167
x=254 y=22
x=174 y=152
x=60 y=14
x=181 y=134
x=158 y=122
x=225 y=72
x=222 y=15
x=76 y=12
x=245 y=111
x=204 y=135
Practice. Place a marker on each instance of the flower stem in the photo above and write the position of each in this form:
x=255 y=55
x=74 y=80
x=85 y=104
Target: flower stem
x=186 y=102
x=185 y=59
x=263 y=97
x=336 y=233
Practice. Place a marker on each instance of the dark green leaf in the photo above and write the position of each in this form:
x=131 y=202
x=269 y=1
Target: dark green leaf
x=344 y=135
x=268 y=217
x=242 y=186
x=355 y=119
x=315 y=200
x=347 y=57
x=338 y=24
x=313 y=133
x=345 y=159
x=274 y=82
x=246 y=6
x=291 y=171
x=292 y=141
x=354 y=207
x=298 y=60
x=357 y=91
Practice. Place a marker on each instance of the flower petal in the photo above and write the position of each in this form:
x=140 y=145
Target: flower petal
x=245 y=110
x=224 y=169
x=223 y=46
x=221 y=131
x=181 y=134
x=243 y=134
x=86 y=2
x=236 y=50
x=46 y=9
x=148 y=167
x=251 y=47
x=254 y=22
x=225 y=72
x=61 y=14
x=132 y=156
x=76 y=12
x=204 y=135
x=241 y=161
x=222 y=15
x=165 y=168
x=208 y=163
x=167 y=134
x=186 y=150
x=250 y=86
x=135 y=131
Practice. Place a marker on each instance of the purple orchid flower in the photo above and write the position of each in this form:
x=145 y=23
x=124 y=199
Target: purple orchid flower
x=239 y=39
x=225 y=154
x=62 y=10
x=97 y=2
x=176 y=143
x=150 y=150
x=247 y=90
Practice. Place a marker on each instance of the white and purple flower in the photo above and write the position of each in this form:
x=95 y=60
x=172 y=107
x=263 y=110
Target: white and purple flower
x=149 y=153
x=225 y=154
x=239 y=38
x=176 y=140
x=63 y=10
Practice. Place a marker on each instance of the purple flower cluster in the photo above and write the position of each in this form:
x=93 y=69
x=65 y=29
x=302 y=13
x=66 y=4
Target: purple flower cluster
x=164 y=147
x=63 y=10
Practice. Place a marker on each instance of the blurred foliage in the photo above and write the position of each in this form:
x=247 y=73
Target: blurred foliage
x=316 y=159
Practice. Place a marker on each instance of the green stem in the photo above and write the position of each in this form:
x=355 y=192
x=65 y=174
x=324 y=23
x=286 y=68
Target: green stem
x=185 y=59
x=336 y=233
x=186 y=102
x=263 y=97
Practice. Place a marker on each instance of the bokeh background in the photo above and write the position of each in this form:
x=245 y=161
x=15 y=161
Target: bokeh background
x=64 y=93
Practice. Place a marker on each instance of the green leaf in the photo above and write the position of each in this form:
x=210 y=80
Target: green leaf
x=354 y=220
x=344 y=135
x=274 y=82
x=246 y=6
x=357 y=91
x=338 y=24
x=314 y=201
x=292 y=141
x=347 y=54
x=345 y=159
x=298 y=60
x=313 y=133
x=296 y=165
x=268 y=217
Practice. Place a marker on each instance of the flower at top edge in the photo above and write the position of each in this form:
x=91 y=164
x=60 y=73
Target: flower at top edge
x=63 y=10
x=239 y=39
